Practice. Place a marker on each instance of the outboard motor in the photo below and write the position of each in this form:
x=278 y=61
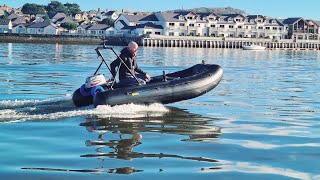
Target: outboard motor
x=95 y=80
x=93 y=85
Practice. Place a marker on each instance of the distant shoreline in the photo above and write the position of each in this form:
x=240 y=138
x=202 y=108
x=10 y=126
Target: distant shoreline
x=60 y=39
x=161 y=41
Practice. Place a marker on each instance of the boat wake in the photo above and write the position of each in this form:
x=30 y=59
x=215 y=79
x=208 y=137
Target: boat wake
x=12 y=111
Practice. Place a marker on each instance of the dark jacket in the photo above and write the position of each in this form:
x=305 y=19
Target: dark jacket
x=130 y=61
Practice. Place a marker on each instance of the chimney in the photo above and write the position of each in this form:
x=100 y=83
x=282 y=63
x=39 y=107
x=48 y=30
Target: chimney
x=98 y=9
x=107 y=10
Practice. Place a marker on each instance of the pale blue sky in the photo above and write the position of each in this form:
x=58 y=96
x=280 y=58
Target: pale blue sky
x=308 y=9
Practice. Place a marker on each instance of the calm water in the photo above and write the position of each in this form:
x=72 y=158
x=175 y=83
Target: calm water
x=261 y=122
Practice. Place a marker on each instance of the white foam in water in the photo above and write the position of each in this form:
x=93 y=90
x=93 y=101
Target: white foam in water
x=9 y=104
x=58 y=108
x=131 y=110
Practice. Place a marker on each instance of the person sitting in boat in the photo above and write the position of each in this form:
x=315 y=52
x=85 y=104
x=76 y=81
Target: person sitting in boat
x=126 y=75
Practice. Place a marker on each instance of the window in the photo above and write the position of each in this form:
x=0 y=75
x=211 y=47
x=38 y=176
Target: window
x=181 y=24
x=221 y=26
x=149 y=32
x=231 y=26
x=189 y=17
x=181 y=34
x=247 y=27
x=212 y=25
x=171 y=24
x=260 y=27
x=268 y=28
x=191 y=25
x=240 y=27
x=158 y=33
x=171 y=33
x=199 y=25
x=274 y=28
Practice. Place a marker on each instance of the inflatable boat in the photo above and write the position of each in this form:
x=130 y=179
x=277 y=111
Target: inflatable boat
x=166 y=88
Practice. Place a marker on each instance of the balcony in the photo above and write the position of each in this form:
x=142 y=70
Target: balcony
x=299 y=31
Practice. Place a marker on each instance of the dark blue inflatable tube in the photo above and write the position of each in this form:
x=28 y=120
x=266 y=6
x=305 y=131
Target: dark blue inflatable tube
x=169 y=88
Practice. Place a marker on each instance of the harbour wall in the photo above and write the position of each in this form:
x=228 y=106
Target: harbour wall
x=230 y=43
x=163 y=41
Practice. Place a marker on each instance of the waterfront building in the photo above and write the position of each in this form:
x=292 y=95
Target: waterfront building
x=100 y=30
x=5 y=26
x=136 y=24
x=174 y=24
x=299 y=28
x=258 y=26
x=96 y=30
x=82 y=29
x=125 y=20
x=42 y=28
x=227 y=25
x=147 y=28
x=314 y=30
x=183 y=23
x=20 y=28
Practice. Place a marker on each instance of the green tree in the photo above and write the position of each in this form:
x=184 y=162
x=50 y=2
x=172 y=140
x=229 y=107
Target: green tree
x=107 y=21
x=72 y=9
x=69 y=26
x=33 y=9
x=55 y=7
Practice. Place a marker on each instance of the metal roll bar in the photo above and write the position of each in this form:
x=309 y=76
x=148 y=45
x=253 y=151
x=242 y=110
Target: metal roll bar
x=104 y=61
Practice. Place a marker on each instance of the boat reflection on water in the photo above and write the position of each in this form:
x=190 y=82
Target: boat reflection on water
x=117 y=137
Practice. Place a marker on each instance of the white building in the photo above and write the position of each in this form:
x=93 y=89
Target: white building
x=125 y=20
x=20 y=28
x=174 y=24
x=42 y=28
x=101 y=30
x=147 y=28
x=96 y=30
x=5 y=26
